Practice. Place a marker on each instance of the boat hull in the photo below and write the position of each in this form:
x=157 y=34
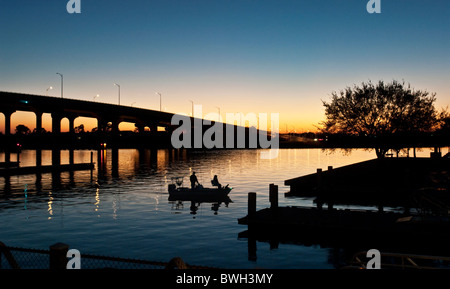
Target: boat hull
x=204 y=193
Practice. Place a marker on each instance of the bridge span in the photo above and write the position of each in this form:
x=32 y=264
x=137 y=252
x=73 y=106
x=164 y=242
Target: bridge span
x=71 y=109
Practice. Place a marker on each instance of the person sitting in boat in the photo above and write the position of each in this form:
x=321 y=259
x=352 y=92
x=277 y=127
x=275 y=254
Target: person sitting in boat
x=215 y=182
x=194 y=180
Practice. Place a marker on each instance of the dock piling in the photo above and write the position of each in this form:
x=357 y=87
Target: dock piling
x=92 y=166
x=273 y=196
x=251 y=204
x=319 y=180
x=58 y=256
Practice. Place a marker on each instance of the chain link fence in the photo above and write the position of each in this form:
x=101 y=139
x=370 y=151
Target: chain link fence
x=22 y=258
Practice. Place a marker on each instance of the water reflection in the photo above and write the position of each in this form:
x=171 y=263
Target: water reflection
x=50 y=205
x=97 y=201
x=195 y=203
x=123 y=208
x=341 y=247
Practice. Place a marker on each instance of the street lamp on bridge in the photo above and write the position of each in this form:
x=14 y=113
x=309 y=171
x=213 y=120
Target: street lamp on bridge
x=62 y=84
x=219 y=112
x=119 y=90
x=192 y=107
x=160 y=101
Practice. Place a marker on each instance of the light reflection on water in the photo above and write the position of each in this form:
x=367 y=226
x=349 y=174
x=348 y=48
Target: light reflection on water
x=124 y=210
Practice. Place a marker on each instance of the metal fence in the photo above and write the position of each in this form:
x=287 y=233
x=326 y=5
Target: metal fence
x=401 y=261
x=22 y=258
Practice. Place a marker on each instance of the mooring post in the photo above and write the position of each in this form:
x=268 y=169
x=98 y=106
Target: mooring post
x=7 y=155
x=252 y=248
x=251 y=204
x=58 y=256
x=273 y=196
x=38 y=157
x=330 y=183
x=319 y=179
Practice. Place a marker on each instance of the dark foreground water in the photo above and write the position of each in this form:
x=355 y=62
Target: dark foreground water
x=129 y=215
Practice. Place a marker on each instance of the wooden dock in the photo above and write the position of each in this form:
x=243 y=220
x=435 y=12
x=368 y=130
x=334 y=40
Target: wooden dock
x=9 y=164
x=389 y=182
x=347 y=227
x=14 y=171
x=343 y=221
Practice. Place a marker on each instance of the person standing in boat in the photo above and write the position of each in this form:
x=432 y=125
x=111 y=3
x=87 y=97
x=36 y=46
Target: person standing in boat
x=215 y=182
x=193 y=180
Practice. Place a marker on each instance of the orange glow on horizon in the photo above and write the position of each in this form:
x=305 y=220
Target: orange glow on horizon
x=287 y=123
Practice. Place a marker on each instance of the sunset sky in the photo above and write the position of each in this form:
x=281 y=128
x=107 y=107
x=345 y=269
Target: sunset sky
x=260 y=56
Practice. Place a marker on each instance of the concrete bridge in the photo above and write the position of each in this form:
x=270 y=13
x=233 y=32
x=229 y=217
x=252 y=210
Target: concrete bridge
x=109 y=116
x=71 y=109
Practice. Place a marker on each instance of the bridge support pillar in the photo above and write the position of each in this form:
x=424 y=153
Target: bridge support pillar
x=115 y=127
x=38 y=122
x=140 y=127
x=38 y=157
x=72 y=123
x=115 y=162
x=71 y=156
x=56 y=157
x=101 y=125
x=56 y=130
x=8 y=114
x=153 y=128
x=56 y=123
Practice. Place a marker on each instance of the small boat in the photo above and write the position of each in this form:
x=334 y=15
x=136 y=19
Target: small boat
x=199 y=191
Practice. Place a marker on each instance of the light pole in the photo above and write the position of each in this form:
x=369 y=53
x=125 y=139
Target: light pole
x=219 y=113
x=160 y=101
x=119 y=90
x=192 y=107
x=49 y=88
x=96 y=96
x=62 y=84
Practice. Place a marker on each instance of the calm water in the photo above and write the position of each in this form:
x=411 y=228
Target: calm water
x=129 y=215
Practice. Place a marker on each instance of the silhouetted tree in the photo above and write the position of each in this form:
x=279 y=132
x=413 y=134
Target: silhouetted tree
x=22 y=129
x=380 y=111
x=80 y=129
x=445 y=127
x=43 y=130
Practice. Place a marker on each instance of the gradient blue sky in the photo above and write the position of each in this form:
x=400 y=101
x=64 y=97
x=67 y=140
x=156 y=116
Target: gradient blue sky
x=258 y=56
